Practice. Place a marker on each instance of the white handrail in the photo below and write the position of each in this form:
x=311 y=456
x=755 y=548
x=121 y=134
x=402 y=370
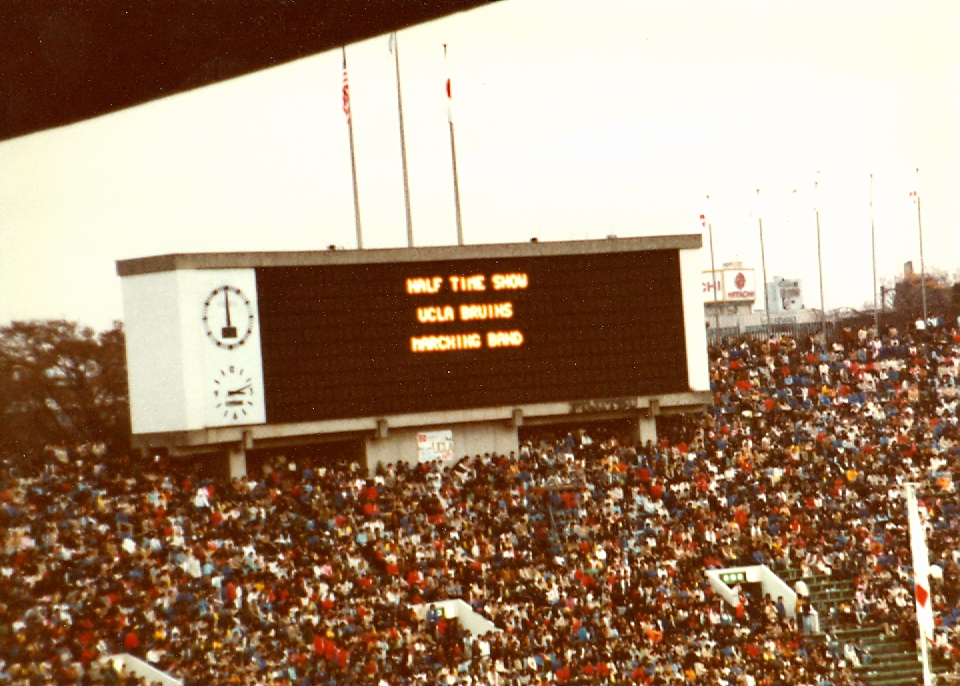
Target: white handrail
x=144 y=670
x=769 y=581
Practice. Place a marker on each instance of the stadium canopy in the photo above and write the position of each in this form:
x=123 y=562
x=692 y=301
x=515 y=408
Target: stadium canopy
x=63 y=62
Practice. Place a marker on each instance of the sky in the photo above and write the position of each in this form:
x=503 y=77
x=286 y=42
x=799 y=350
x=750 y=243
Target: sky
x=572 y=120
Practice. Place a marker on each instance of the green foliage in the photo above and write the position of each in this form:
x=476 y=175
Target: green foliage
x=61 y=383
x=909 y=295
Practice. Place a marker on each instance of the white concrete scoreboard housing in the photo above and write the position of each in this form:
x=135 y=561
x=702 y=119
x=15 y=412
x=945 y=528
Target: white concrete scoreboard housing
x=232 y=351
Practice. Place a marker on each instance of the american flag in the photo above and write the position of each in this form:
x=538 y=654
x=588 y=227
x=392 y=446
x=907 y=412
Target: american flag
x=346 y=91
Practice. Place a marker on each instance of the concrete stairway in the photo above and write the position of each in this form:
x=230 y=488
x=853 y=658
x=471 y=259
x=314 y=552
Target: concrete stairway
x=893 y=661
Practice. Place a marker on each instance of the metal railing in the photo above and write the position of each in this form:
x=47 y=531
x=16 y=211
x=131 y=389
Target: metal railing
x=830 y=330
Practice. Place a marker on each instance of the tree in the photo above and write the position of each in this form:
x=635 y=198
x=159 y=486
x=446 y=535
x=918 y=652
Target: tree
x=909 y=295
x=61 y=383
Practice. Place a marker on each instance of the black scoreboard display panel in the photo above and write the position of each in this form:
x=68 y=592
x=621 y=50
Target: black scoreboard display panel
x=354 y=340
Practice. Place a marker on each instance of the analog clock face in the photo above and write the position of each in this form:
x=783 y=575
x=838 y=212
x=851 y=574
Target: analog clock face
x=233 y=394
x=228 y=317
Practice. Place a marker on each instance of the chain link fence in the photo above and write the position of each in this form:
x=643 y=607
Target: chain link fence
x=829 y=330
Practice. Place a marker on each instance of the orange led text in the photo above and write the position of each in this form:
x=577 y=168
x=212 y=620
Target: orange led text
x=463 y=284
x=486 y=311
x=510 y=282
x=504 y=339
x=420 y=284
x=444 y=343
x=433 y=315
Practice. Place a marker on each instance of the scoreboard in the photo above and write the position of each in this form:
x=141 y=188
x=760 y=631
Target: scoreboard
x=291 y=338
x=360 y=340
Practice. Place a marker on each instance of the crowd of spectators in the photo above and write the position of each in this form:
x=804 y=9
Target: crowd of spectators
x=586 y=551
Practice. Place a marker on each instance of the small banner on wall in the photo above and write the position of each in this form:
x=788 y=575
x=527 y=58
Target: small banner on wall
x=435 y=445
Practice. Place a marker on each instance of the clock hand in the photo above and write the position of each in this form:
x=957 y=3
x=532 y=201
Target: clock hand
x=239 y=391
x=229 y=331
x=226 y=303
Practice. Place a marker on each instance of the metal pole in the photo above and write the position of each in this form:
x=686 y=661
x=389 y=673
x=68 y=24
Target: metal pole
x=763 y=261
x=713 y=277
x=453 y=154
x=403 y=144
x=816 y=210
x=873 y=249
x=923 y=271
x=456 y=187
x=920 y=557
x=713 y=266
x=353 y=158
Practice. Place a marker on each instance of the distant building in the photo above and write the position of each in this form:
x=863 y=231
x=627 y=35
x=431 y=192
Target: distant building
x=730 y=291
x=784 y=295
x=730 y=296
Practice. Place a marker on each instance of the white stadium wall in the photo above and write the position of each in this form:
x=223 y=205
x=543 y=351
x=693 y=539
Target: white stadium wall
x=698 y=372
x=467 y=439
x=175 y=369
x=155 y=364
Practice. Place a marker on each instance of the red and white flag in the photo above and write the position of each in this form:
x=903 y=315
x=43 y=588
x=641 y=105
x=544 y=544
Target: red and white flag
x=449 y=106
x=346 y=91
x=921 y=564
x=713 y=284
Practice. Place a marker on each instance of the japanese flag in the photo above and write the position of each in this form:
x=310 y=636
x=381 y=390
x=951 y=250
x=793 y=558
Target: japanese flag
x=449 y=102
x=921 y=564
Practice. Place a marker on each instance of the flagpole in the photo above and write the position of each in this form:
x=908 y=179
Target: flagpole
x=403 y=142
x=873 y=250
x=353 y=157
x=453 y=153
x=921 y=578
x=763 y=262
x=923 y=271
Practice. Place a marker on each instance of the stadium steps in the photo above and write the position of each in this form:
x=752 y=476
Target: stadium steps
x=893 y=660
x=788 y=575
x=827 y=593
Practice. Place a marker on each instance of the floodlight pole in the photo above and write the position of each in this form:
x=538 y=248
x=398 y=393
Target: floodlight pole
x=763 y=262
x=713 y=278
x=873 y=249
x=713 y=266
x=816 y=211
x=923 y=271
